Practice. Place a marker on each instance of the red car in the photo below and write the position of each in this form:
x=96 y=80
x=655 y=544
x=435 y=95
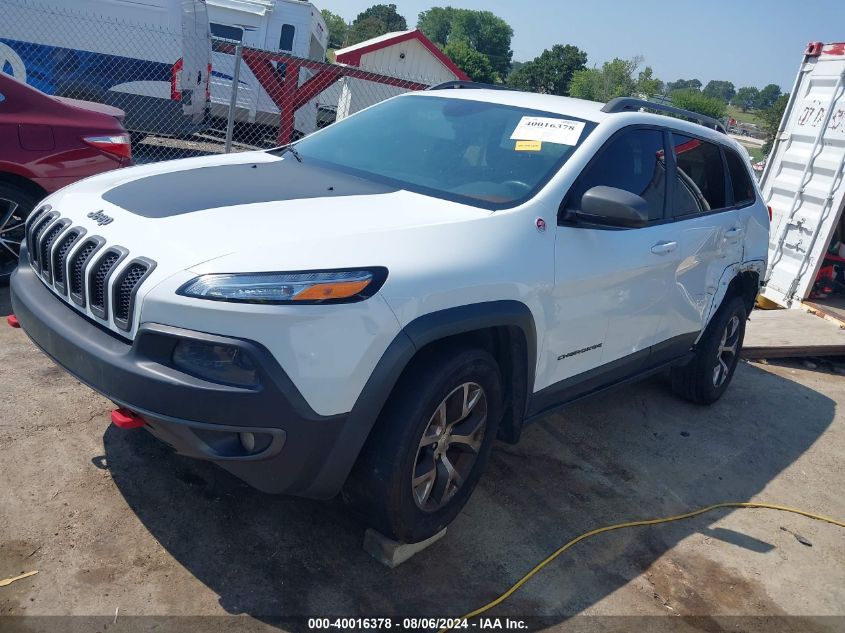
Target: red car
x=46 y=143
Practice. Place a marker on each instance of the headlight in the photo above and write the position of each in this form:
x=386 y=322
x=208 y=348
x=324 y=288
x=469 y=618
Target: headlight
x=336 y=286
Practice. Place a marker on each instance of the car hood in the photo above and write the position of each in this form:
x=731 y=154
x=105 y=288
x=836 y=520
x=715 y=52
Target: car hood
x=272 y=211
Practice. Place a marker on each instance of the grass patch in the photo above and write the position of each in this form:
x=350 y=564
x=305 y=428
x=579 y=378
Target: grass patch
x=756 y=153
x=743 y=117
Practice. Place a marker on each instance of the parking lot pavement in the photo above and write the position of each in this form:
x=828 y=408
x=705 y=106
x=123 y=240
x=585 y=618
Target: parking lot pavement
x=112 y=520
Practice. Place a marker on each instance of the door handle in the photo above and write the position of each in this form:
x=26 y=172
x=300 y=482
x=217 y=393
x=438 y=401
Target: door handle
x=661 y=248
x=734 y=232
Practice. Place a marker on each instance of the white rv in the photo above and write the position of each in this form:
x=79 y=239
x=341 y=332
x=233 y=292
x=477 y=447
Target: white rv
x=150 y=59
x=287 y=26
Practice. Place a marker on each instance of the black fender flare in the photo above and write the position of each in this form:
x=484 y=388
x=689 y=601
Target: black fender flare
x=420 y=332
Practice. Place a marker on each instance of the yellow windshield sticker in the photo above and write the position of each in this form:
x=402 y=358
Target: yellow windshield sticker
x=529 y=146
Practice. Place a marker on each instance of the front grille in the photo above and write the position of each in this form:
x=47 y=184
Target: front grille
x=98 y=277
x=38 y=229
x=34 y=218
x=46 y=244
x=77 y=270
x=83 y=268
x=60 y=258
x=125 y=287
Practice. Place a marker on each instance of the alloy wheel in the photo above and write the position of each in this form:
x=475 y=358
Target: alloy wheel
x=726 y=353
x=12 y=219
x=449 y=446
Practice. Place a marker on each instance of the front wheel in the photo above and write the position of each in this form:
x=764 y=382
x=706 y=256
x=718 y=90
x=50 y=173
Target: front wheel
x=707 y=376
x=15 y=206
x=430 y=445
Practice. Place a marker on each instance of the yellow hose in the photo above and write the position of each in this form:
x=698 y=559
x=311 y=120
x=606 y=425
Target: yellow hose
x=628 y=524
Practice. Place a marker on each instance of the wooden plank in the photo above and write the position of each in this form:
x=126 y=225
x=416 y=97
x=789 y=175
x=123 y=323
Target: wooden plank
x=785 y=333
x=831 y=308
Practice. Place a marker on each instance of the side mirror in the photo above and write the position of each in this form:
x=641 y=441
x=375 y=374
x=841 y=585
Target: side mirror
x=612 y=206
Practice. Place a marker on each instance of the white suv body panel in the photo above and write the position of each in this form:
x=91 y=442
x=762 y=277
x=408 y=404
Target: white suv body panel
x=583 y=287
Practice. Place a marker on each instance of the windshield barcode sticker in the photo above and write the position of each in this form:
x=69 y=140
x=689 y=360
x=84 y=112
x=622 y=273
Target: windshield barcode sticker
x=548 y=130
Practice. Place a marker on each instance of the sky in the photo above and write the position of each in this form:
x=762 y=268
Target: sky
x=748 y=42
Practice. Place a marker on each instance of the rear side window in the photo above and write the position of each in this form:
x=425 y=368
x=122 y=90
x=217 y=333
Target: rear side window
x=286 y=40
x=700 y=177
x=634 y=161
x=743 y=189
x=227 y=32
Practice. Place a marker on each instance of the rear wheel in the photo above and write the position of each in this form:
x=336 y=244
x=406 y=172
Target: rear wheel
x=15 y=206
x=708 y=375
x=430 y=445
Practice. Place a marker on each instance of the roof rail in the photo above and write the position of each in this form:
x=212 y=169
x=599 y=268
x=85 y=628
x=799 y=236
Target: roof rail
x=458 y=83
x=631 y=104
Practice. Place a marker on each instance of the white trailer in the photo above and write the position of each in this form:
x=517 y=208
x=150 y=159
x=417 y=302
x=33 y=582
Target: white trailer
x=802 y=181
x=150 y=59
x=287 y=26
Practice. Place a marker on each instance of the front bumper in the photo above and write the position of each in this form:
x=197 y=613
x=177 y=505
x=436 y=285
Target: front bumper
x=297 y=451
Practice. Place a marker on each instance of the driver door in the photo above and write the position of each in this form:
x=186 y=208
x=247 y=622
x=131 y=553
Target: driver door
x=611 y=283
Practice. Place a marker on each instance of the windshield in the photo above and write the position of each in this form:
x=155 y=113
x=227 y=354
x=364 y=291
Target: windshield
x=485 y=154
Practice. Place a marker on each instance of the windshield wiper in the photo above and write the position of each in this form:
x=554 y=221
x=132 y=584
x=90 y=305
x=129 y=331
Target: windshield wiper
x=290 y=148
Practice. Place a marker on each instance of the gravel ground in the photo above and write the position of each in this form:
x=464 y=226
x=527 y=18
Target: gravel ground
x=116 y=524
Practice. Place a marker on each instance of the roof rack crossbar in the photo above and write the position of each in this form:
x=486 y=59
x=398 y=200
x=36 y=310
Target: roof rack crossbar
x=460 y=83
x=631 y=104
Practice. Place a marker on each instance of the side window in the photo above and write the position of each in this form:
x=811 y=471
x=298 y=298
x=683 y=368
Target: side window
x=700 y=183
x=227 y=32
x=741 y=185
x=633 y=161
x=286 y=40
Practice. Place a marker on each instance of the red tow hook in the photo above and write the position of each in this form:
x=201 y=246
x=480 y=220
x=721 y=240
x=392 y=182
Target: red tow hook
x=126 y=419
x=12 y=320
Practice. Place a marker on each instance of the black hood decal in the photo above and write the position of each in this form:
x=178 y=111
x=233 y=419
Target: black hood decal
x=178 y=192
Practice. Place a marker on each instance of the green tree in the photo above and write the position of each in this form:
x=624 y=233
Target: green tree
x=683 y=84
x=770 y=120
x=767 y=97
x=697 y=101
x=746 y=98
x=515 y=66
x=723 y=90
x=647 y=83
x=337 y=28
x=481 y=30
x=550 y=72
x=377 y=20
x=614 y=79
x=436 y=24
x=469 y=60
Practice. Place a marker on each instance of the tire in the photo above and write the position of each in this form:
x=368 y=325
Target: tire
x=704 y=379
x=382 y=488
x=15 y=206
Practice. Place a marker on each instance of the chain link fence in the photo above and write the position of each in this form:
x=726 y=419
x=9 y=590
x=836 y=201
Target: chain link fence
x=183 y=93
x=262 y=98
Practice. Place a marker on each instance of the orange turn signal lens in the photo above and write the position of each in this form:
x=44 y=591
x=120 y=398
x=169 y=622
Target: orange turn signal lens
x=332 y=290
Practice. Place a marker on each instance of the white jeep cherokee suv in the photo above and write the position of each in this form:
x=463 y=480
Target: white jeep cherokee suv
x=369 y=309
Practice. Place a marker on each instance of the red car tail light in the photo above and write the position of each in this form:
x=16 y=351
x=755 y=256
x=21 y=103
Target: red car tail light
x=176 y=80
x=118 y=145
x=770 y=212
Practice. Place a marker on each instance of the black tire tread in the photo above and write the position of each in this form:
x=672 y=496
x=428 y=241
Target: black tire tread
x=690 y=381
x=374 y=488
